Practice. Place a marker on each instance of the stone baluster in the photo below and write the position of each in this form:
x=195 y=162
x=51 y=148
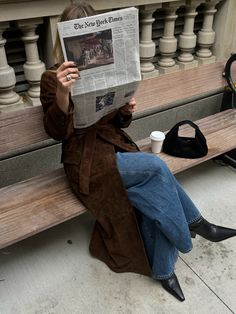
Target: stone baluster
x=168 y=42
x=50 y=38
x=33 y=67
x=206 y=36
x=147 y=45
x=187 y=40
x=9 y=100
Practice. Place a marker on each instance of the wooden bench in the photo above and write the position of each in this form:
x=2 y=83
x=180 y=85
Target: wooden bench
x=31 y=206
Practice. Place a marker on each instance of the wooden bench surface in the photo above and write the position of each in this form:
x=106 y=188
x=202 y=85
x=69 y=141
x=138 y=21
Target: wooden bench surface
x=37 y=204
x=220 y=132
x=153 y=95
x=183 y=86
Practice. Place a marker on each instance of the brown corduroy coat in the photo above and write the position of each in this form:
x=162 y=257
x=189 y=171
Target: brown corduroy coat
x=89 y=161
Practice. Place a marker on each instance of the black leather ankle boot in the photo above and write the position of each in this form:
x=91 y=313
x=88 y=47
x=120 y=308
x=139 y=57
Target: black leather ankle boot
x=210 y=232
x=173 y=287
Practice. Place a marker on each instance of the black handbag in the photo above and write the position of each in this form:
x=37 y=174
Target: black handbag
x=185 y=147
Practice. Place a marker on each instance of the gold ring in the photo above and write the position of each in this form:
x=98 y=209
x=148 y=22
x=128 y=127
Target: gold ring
x=68 y=77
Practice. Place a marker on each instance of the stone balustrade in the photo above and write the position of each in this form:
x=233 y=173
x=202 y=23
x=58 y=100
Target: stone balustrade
x=173 y=51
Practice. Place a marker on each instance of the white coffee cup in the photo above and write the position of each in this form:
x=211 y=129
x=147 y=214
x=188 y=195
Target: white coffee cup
x=157 y=138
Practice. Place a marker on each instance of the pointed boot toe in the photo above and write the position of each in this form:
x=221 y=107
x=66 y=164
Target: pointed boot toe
x=210 y=232
x=173 y=287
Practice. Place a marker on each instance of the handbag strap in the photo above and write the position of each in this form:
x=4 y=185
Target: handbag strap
x=175 y=128
x=227 y=72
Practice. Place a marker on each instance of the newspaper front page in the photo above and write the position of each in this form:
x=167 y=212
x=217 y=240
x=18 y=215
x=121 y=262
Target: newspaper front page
x=106 y=50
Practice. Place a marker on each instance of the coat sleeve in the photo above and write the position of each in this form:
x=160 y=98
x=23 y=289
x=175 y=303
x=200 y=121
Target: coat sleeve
x=122 y=121
x=55 y=120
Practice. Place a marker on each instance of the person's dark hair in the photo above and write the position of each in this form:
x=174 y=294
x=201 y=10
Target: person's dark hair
x=76 y=10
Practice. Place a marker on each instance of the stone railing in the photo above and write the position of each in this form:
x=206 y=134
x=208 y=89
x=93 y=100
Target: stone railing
x=173 y=52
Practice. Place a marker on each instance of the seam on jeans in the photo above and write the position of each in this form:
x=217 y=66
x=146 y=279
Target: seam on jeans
x=136 y=171
x=169 y=217
x=160 y=277
x=150 y=173
x=164 y=276
x=187 y=251
x=195 y=219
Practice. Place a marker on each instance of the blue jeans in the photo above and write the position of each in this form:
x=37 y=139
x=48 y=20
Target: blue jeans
x=164 y=210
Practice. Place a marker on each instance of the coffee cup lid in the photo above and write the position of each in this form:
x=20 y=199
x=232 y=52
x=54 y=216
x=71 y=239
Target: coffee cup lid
x=157 y=136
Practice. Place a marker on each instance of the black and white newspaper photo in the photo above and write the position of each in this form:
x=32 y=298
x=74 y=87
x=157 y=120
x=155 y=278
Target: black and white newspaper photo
x=105 y=48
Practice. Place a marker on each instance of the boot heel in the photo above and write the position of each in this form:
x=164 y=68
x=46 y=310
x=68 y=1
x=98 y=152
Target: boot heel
x=211 y=232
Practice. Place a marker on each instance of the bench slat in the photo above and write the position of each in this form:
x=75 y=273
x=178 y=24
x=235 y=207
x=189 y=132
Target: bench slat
x=220 y=133
x=208 y=125
x=218 y=143
x=37 y=204
x=175 y=87
x=21 y=128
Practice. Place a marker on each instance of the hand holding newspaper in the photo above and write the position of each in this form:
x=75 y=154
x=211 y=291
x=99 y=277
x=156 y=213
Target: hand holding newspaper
x=106 y=49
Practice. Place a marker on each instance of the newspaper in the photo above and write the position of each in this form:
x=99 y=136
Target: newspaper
x=106 y=50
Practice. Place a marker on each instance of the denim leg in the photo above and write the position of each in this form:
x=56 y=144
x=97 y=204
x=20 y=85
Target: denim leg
x=153 y=191
x=191 y=212
x=162 y=255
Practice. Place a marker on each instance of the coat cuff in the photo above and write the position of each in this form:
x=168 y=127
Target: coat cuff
x=58 y=116
x=123 y=121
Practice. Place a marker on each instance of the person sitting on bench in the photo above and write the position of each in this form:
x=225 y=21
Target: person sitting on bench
x=143 y=216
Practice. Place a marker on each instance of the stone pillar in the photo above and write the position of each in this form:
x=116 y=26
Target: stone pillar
x=206 y=36
x=187 y=40
x=33 y=67
x=168 y=42
x=9 y=100
x=147 y=45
